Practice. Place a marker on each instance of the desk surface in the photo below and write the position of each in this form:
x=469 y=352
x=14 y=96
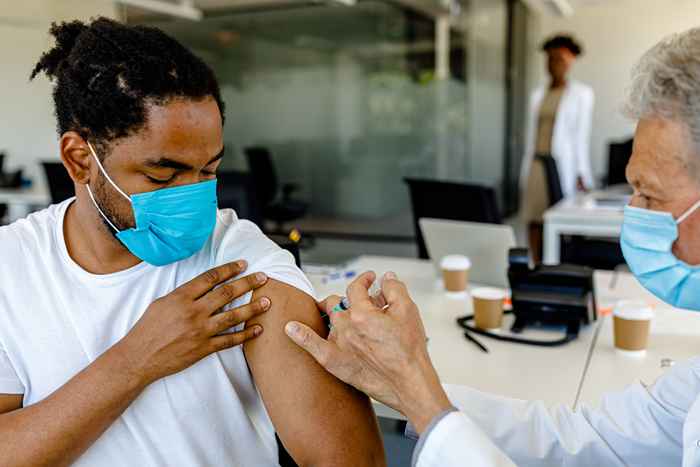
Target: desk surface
x=675 y=335
x=527 y=372
x=585 y=208
x=582 y=215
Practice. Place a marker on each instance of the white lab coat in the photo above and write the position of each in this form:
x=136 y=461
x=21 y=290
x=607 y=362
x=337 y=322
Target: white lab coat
x=571 y=136
x=654 y=426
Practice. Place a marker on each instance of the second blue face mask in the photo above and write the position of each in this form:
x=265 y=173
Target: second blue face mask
x=647 y=241
x=171 y=223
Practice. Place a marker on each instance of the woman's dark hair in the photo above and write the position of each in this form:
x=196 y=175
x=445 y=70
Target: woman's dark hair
x=564 y=41
x=107 y=73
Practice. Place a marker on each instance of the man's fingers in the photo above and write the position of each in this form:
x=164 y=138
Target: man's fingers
x=358 y=290
x=305 y=337
x=394 y=290
x=230 y=318
x=226 y=341
x=206 y=281
x=327 y=305
x=230 y=291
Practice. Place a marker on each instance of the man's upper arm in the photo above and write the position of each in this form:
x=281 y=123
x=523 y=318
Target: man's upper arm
x=10 y=402
x=320 y=420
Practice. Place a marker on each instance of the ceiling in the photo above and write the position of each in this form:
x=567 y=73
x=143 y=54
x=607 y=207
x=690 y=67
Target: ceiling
x=217 y=7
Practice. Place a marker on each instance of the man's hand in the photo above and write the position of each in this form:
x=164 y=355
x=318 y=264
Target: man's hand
x=379 y=347
x=183 y=327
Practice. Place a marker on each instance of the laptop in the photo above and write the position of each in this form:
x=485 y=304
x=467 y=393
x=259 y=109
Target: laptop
x=486 y=245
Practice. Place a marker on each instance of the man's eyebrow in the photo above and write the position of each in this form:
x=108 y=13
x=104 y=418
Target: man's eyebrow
x=167 y=163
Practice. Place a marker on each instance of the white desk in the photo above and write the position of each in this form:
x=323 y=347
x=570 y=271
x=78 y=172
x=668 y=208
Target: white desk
x=580 y=216
x=675 y=335
x=520 y=371
x=527 y=372
x=22 y=201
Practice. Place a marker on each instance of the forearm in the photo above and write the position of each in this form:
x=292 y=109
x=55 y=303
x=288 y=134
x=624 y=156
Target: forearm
x=57 y=430
x=421 y=395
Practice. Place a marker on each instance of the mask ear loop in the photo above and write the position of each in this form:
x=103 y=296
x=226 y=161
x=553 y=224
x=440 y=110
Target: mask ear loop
x=104 y=172
x=92 y=197
x=687 y=213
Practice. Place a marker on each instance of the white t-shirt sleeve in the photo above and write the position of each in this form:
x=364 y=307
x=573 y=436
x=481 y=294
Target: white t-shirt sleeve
x=9 y=381
x=241 y=239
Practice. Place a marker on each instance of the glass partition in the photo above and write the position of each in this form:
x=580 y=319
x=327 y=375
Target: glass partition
x=347 y=101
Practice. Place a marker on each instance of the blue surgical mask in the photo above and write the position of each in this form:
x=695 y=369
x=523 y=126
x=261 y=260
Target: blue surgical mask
x=647 y=239
x=171 y=223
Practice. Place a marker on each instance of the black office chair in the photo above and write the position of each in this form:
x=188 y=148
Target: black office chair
x=279 y=210
x=449 y=200
x=618 y=157
x=236 y=190
x=60 y=184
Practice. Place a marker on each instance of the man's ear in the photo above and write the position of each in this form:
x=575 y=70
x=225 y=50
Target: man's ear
x=76 y=157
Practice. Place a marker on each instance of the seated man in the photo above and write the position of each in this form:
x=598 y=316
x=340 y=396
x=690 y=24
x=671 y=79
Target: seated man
x=119 y=324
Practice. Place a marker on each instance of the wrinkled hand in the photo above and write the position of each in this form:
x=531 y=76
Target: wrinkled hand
x=379 y=347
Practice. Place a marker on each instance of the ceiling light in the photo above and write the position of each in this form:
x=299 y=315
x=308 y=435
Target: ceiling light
x=182 y=9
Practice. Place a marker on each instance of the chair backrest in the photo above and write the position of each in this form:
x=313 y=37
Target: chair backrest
x=449 y=200
x=553 y=181
x=60 y=184
x=236 y=190
x=618 y=156
x=263 y=172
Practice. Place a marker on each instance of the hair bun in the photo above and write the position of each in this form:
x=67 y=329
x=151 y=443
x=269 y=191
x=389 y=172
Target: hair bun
x=66 y=35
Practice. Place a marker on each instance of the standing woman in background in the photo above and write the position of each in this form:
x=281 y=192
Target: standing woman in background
x=558 y=127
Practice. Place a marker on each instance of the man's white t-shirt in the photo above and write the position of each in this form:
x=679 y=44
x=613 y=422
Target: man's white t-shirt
x=56 y=318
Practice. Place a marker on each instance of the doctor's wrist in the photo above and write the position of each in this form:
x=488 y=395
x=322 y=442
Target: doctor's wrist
x=423 y=397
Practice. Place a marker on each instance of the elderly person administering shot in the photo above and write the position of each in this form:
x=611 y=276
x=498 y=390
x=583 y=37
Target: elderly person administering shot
x=378 y=344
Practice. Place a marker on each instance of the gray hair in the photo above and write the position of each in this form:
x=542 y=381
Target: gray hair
x=666 y=82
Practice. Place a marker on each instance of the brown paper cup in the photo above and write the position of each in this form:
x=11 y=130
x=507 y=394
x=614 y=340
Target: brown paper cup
x=455 y=281
x=631 y=324
x=488 y=308
x=631 y=334
x=455 y=272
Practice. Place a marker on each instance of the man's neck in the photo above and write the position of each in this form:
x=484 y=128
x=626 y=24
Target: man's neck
x=90 y=244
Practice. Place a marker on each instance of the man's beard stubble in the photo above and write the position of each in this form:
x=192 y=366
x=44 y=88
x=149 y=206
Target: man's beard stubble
x=104 y=197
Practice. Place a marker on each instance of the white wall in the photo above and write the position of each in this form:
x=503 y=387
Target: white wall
x=27 y=124
x=615 y=33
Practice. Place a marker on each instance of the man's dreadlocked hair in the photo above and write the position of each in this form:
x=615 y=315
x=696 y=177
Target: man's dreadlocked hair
x=107 y=73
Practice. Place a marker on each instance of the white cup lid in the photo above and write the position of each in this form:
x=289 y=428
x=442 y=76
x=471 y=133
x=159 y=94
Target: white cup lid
x=633 y=310
x=455 y=262
x=489 y=293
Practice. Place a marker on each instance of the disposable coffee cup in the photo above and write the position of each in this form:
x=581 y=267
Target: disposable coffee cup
x=488 y=308
x=455 y=272
x=631 y=324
